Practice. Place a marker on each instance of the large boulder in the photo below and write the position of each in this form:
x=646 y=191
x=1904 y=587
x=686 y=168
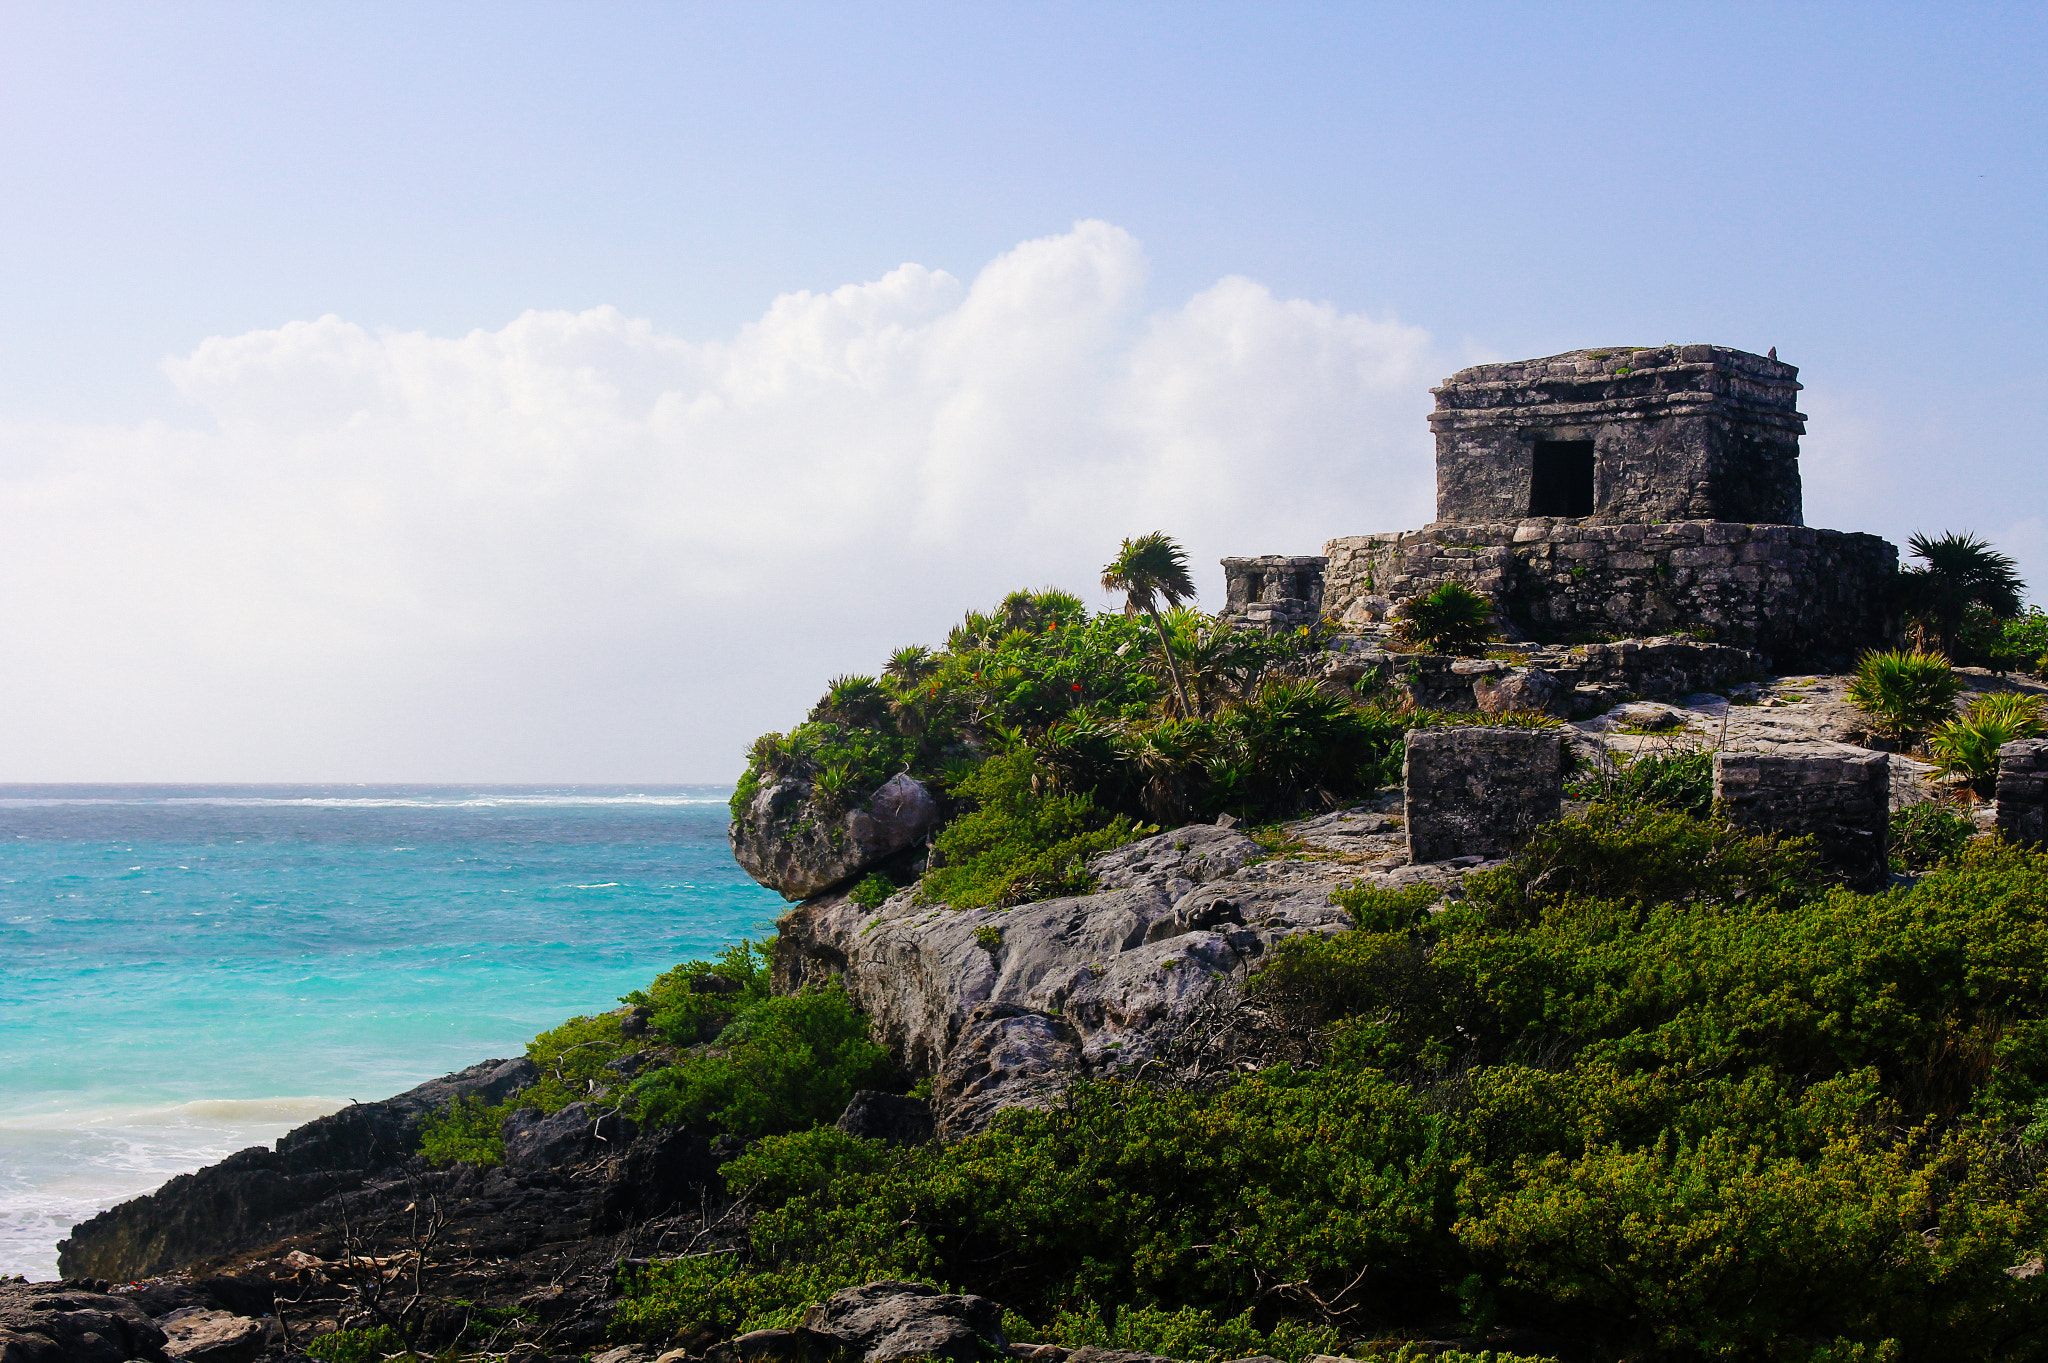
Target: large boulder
x=877 y=1116
x=791 y=844
x=54 y=1323
x=537 y=1140
x=883 y=1322
x=198 y=1335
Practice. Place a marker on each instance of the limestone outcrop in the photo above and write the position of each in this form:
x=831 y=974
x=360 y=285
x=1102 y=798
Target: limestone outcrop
x=1006 y=1007
x=792 y=841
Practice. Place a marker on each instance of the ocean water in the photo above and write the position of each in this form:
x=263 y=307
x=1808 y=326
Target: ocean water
x=187 y=971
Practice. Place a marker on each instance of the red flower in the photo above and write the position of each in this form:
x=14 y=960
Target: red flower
x=1077 y=686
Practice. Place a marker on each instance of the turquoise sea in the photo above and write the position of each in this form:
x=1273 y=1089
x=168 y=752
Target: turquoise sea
x=189 y=970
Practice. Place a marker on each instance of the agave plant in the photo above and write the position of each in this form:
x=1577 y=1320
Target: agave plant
x=1046 y=608
x=912 y=665
x=855 y=700
x=977 y=631
x=1451 y=619
x=1905 y=692
x=1968 y=747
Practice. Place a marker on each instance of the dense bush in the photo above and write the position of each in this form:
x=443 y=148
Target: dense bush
x=785 y=1063
x=1018 y=843
x=777 y=1062
x=463 y=1132
x=1651 y=1087
x=1102 y=722
x=1905 y=693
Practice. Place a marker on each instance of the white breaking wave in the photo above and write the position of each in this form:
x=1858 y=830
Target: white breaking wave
x=61 y=1166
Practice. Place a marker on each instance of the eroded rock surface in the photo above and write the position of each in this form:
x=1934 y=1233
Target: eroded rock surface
x=794 y=846
x=1006 y=1007
x=884 y=1322
x=198 y=1214
x=57 y=1323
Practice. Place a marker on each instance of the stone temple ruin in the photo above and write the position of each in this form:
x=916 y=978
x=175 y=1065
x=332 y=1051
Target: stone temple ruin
x=1634 y=517
x=1612 y=494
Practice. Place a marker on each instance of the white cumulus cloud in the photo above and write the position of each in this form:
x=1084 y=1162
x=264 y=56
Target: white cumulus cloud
x=578 y=547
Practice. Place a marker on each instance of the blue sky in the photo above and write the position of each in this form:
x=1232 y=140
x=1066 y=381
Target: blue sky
x=254 y=593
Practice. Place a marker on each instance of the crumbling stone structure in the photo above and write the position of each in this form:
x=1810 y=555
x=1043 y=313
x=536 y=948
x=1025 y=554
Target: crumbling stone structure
x=1479 y=791
x=1274 y=591
x=1665 y=433
x=2023 y=792
x=1841 y=796
x=1801 y=598
x=1625 y=493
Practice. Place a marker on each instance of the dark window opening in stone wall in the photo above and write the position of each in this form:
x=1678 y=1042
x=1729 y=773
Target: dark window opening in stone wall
x=1563 y=481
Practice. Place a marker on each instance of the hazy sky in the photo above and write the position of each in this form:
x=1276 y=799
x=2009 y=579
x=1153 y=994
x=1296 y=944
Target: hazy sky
x=564 y=393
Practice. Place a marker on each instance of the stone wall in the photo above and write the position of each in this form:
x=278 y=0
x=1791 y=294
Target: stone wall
x=2023 y=791
x=1655 y=433
x=1589 y=679
x=1273 y=591
x=1479 y=791
x=1841 y=796
x=1801 y=598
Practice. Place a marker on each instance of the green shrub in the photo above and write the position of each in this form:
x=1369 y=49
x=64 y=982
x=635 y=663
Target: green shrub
x=1381 y=910
x=1018 y=844
x=372 y=1345
x=1905 y=693
x=784 y=1063
x=1190 y=1333
x=873 y=891
x=1679 y=778
x=466 y=1131
x=718 y=1295
x=693 y=1002
x=572 y=1059
x=1451 y=619
x=1968 y=747
x=1927 y=835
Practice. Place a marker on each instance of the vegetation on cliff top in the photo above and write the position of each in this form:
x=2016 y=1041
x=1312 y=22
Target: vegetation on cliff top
x=1050 y=732
x=1652 y=1089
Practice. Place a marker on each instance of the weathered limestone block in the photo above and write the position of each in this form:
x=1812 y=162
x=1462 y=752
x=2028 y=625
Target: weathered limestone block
x=2023 y=791
x=1645 y=434
x=1479 y=791
x=1528 y=690
x=1840 y=796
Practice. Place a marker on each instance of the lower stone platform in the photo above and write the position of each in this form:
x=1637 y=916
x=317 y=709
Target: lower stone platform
x=1801 y=598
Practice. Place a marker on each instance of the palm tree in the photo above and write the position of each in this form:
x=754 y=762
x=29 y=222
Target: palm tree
x=1150 y=568
x=1961 y=571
